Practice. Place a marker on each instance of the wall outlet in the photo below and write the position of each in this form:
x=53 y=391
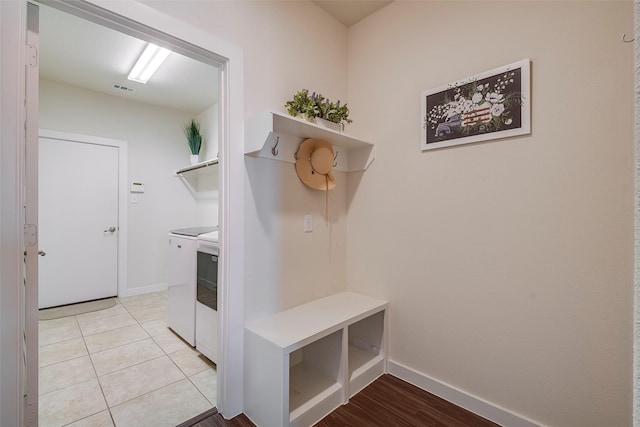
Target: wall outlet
x=308 y=223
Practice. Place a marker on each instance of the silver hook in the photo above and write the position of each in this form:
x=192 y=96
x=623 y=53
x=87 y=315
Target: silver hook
x=335 y=159
x=625 y=40
x=274 y=149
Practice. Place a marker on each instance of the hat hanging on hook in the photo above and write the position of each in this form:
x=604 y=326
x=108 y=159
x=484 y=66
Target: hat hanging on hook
x=314 y=164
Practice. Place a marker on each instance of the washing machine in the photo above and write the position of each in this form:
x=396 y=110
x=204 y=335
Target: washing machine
x=181 y=289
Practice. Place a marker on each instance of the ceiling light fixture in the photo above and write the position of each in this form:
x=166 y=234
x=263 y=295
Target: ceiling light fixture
x=148 y=63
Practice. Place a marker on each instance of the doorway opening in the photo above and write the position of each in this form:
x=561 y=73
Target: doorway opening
x=228 y=129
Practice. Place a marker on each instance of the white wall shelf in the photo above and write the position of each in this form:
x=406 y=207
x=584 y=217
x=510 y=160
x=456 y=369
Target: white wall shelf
x=277 y=136
x=198 y=168
x=302 y=363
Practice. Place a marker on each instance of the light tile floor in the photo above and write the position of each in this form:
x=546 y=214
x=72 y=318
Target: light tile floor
x=121 y=367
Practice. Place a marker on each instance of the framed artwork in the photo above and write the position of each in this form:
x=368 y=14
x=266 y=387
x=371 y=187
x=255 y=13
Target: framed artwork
x=490 y=105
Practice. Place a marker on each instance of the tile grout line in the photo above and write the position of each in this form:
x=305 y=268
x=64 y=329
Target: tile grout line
x=165 y=354
x=97 y=378
x=176 y=365
x=160 y=300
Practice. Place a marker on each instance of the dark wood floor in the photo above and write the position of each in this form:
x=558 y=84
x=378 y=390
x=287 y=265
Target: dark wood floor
x=387 y=402
x=217 y=420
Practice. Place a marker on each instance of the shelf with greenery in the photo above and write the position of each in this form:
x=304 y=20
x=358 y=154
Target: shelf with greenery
x=316 y=107
x=277 y=136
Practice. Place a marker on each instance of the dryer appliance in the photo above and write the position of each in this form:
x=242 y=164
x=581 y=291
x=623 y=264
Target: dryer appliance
x=207 y=295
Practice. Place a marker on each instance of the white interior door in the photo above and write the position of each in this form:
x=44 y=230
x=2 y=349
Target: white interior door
x=78 y=221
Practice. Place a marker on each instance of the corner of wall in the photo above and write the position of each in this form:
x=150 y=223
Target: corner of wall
x=636 y=257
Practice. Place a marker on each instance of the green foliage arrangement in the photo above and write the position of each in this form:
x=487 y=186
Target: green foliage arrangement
x=194 y=138
x=317 y=106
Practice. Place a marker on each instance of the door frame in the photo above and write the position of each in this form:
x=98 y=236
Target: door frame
x=146 y=23
x=130 y=17
x=123 y=156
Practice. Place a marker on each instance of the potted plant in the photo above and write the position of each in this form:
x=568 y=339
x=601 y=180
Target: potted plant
x=316 y=106
x=194 y=139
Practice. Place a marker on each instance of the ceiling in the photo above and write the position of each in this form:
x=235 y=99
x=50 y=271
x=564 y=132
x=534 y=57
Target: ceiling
x=81 y=53
x=351 y=11
x=87 y=55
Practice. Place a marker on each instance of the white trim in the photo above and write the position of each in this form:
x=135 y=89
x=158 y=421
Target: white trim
x=12 y=135
x=144 y=290
x=463 y=399
x=123 y=156
x=232 y=184
x=30 y=202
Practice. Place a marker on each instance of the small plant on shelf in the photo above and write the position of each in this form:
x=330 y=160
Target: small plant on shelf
x=317 y=106
x=194 y=138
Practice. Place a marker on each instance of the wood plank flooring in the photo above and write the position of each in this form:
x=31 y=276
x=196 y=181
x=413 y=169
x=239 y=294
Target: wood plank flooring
x=391 y=402
x=387 y=402
x=217 y=420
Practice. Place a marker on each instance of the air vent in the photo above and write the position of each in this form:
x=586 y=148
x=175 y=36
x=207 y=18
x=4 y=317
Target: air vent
x=123 y=88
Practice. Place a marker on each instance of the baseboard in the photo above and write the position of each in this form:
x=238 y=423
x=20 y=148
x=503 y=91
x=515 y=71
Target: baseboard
x=464 y=400
x=144 y=290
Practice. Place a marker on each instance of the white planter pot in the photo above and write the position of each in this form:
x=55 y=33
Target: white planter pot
x=329 y=124
x=195 y=159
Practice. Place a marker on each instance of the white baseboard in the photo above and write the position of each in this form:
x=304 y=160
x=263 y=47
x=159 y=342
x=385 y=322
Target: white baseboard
x=143 y=290
x=464 y=400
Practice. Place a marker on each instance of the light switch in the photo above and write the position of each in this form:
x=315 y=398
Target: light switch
x=308 y=223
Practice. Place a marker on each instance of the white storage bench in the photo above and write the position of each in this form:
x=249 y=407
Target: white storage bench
x=302 y=363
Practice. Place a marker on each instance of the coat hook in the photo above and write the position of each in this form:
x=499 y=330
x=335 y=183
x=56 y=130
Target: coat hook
x=625 y=40
x=335 y=159
x=274 y=149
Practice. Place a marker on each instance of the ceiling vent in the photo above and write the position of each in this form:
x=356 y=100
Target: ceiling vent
x=123 y=88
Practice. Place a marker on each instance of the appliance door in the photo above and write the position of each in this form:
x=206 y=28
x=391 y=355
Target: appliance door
x=207 y=303
x=181 y=304
x=207 y=280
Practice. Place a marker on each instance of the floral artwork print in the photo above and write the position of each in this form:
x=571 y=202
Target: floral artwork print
x=487 y=106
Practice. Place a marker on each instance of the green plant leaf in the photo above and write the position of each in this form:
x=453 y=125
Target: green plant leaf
x=194 y=138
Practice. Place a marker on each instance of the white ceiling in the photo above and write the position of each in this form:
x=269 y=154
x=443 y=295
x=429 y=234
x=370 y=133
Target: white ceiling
x=80 y=53
x=87 y=55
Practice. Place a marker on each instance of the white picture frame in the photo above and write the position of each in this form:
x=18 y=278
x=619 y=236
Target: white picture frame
x=486 y=106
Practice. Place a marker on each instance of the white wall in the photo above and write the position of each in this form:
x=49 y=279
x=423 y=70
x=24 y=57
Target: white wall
x=209 y=127
x=283 y=54
x=207 y=184
x=156 y=147
x=509 y=264
x=287 y=45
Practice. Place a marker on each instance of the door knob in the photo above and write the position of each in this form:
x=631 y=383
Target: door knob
x=41 y=253
x=110 y=230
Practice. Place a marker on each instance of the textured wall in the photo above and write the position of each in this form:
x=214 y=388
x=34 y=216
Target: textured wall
x=287 y=46
x=508 y=264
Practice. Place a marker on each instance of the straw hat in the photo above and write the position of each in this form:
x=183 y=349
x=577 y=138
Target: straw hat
x=314 y=162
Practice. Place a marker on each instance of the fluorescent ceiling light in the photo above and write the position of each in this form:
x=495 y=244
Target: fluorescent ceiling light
x=148 y=63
